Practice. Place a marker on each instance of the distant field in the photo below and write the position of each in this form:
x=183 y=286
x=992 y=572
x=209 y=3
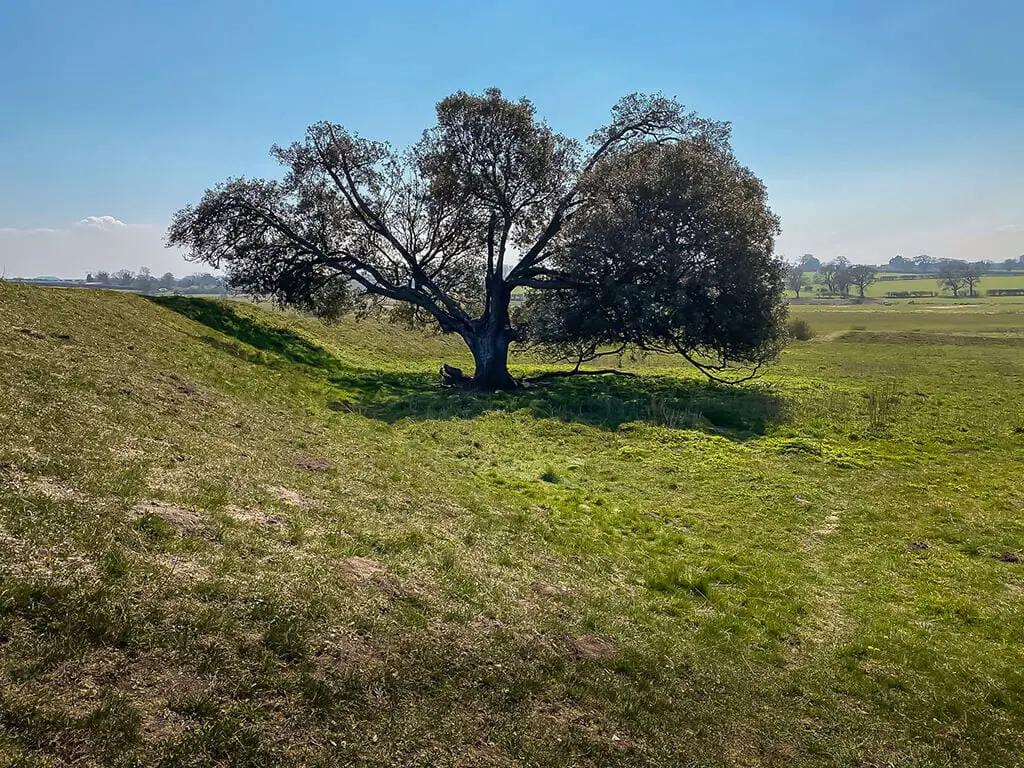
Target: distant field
x=1003 y=316
x=235 y=537
x=879 y=288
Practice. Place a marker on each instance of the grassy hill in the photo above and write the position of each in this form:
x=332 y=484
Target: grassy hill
x=235 y=537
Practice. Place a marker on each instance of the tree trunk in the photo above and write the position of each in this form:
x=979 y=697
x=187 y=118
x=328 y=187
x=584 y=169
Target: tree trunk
x=490 y=354
x=489 y=340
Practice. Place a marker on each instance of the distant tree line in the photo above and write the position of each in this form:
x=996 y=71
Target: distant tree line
x=840 y=277
x=146 y=282
x=930 y=265
x=923 y=265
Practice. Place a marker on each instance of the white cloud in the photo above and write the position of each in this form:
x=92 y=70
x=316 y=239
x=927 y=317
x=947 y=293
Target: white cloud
x=1010 y=228
x=90 y=244
x=101 y=222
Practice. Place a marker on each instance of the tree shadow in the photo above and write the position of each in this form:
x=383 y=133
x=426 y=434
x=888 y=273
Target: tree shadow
x=608 y=402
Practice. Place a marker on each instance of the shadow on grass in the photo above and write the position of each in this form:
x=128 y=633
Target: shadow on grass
x=604 y=401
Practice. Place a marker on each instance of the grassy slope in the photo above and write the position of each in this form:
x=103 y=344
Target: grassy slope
x=604 y=572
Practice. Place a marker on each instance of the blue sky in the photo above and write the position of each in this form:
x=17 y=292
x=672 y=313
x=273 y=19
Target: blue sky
x=879 y=127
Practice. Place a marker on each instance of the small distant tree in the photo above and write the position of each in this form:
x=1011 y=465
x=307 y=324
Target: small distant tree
x=89 y=277
x=953 y=275
x=1010 y=265
x=810 y=263
x=835 y=276
x=972 y=276
x=900 y=264
x=124 y=278
x=796 y=280
x=861 y=275
x=166 y=281
x=925 y=263
x=144 y=280
x=103 y=277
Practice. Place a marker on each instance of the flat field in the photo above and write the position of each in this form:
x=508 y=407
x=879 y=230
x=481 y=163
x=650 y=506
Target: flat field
x=910 y=283
x=988 y=282
x=230 y=536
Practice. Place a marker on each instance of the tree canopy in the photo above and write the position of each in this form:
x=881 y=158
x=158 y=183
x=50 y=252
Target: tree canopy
x=861 y=275
x=651 y=225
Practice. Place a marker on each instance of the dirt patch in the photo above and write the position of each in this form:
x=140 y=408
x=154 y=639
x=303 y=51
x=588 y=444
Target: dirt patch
x=181 y=519
x=484 y=756
x=183 y=386
x=314 y=464
x=148 y=684
x=342 y=655
x=597 y=727
x=258 y=517
x=918 y=546
x=288 y=496
x=1009 y=557
x=54 y=490
x=364 y=568
x=832 y=336
x=550 y=590
x=828 y=525
x=181 y=567
x=591 y=647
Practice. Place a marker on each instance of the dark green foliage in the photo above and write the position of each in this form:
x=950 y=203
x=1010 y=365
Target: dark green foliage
x=675 y=256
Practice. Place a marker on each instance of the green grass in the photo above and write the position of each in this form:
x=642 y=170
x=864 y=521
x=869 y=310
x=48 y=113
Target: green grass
x=236 y=537
x=910 y=283
x=930 y=283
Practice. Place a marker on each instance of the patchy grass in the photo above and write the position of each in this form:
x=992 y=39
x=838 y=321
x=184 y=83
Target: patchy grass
x=236 y=537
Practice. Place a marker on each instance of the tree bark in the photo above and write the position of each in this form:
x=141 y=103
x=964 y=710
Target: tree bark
x=490 y=355
x=489 y=340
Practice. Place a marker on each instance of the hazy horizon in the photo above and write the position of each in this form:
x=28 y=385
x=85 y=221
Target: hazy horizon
x=878 y=128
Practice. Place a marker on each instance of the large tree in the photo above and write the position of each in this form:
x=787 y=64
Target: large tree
x=489 y=201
